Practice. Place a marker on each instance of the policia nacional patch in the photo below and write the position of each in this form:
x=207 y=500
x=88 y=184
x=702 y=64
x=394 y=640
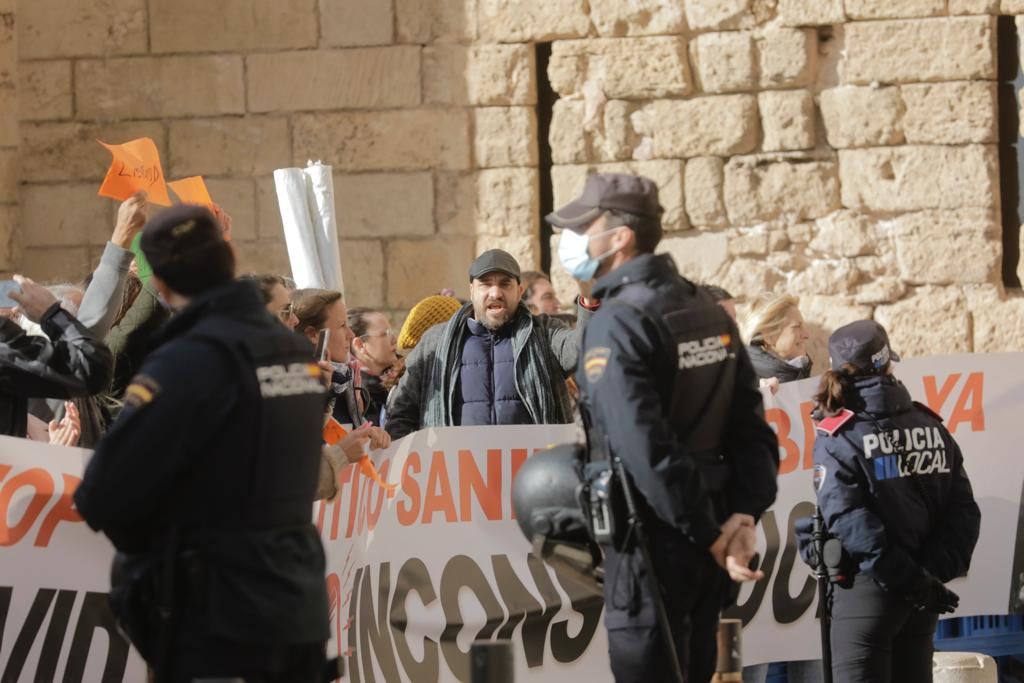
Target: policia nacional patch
x=141 y=391
x=595 y=361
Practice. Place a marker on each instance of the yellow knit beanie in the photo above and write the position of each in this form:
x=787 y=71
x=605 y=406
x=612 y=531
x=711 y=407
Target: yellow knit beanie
x=424 y=315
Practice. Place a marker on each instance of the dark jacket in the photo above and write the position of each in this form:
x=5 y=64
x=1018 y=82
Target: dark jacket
x=666 y=379
x=893 y=486
x=375 y=396
x=69 y=362
x=131 y=338
x=545 y=350
x=219 y=439
x=487 y=392
x=767 y=364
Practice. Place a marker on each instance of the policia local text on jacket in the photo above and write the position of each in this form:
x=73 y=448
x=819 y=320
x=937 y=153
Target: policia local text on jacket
x=893 y=490
x=219 y=444
x=69 y=362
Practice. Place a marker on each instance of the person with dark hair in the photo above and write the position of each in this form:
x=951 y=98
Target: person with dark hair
x=538 y=294
x=276 y=296
x=375 y=346
x=893 y=489
x=492 y=363
x=667 y=395
x=204 y=482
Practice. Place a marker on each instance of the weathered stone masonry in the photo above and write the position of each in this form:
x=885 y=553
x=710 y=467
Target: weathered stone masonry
x=844 y=150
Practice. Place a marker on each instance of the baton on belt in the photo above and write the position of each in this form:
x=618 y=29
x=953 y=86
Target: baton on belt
x=636 y=526
x=818 y=537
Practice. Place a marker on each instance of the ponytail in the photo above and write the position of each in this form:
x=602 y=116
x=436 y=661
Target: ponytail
x=830 y=398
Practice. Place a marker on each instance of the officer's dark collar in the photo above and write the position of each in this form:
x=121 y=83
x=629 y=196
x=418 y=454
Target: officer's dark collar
x=640 y=268
x=236 y=299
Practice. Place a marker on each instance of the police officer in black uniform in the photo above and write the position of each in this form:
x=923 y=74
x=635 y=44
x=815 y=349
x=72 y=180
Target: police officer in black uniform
x=668 y=389
x=892 y=488
x=204 y=484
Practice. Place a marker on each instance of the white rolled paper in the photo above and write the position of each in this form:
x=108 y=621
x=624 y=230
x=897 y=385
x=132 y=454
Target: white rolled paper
x=305 y=198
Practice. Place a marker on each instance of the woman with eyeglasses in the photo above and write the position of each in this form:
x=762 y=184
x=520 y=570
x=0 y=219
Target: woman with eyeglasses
x=375 y=346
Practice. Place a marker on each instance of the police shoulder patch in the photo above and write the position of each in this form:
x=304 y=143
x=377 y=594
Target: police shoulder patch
x=594 y=363
x=830 y=425
x=820 y=472
x=141 y=391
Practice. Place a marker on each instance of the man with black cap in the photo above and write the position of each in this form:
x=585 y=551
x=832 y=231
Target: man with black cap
x=204 y=483
x=492 y=363
x=668 y=392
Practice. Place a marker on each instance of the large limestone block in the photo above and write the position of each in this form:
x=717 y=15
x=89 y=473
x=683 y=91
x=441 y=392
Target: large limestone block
x=624 y=68
x=614 y=18
x=716 y=15
x=746 y=278
x=699 y=256
x=44 y=90
x=811 y=12
x=720 y=125
x=705 y=201
x=520 y=21
x=723 y=62
x=65 y=214
x=8 y=176
x=950 y=113
x=8 y=119
x=228 y=146
x=508 y=201
x=786 y=57
x=862 y=116
x=435 y=21
x=973 y=6
x=787 y=120
x=823 y=315
x=140 y=87
x=505 y=136
x=567 y=183
x=761 y=190
x=827 y=277
x=58 y=28
x=365 y=270
x=231 y=25
x=384 y=205
x=455 y=203
x=846 y=234
x=914 y=177
x=69 y=152
x=263 y=256
x=419 y=268
x=940 y=49
x=931 y=321
x=8 y=52
x=357 y=78
x=237 y=196
x=409 y=139
x=949 y=247
x=893 y=9
x=525 y=249
x=999 y=326
x=55 y=264
x=480 y=75
x=1011 y=7
x=346 y=23
x=9 y=221
x=568 y=139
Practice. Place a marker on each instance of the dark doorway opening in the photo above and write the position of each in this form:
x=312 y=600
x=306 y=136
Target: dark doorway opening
x=546 y=98
x=1011 y=155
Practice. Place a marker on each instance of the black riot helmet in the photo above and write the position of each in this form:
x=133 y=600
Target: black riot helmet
x=545 y=496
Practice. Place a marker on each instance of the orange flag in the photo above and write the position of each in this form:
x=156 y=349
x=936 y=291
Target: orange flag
x=333 y=433
x=136 y=166
x=191 y=190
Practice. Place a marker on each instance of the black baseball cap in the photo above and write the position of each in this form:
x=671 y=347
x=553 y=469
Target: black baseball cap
x=608 y=191
x=494 y=261
x=863 y=344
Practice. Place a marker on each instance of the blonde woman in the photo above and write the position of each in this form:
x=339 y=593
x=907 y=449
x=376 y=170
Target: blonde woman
x=777 y=340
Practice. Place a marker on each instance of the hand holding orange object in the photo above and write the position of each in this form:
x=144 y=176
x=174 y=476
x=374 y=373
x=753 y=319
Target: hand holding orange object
x=135 y=167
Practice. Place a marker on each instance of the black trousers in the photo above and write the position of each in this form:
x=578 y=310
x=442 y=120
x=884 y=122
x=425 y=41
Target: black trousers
x=877 y=637
x=694 y=589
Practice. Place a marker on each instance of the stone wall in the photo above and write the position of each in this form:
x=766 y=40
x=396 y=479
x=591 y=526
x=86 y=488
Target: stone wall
x=843 y=150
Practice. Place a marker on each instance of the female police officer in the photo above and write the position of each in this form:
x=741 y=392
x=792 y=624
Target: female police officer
x=892 y=488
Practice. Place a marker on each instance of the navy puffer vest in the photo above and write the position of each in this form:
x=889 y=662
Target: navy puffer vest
x=487 y=393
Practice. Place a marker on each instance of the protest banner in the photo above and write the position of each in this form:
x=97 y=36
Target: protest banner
x=416 y=576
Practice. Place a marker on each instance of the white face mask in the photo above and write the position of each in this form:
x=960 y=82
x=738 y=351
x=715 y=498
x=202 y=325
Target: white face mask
x=575 y=257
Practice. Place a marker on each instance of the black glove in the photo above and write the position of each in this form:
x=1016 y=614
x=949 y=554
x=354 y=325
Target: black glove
x=927 y=594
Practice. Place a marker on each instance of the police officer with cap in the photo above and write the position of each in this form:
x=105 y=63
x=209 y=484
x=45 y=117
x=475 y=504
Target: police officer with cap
x=204 y=484
x=892 y=488
x=669 y=392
